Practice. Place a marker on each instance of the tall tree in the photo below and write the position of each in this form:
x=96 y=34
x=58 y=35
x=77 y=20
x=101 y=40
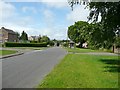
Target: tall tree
x=95 y=35
x=24 y=36
x=44 y=39
x=110 y=16
x=39 y=39
x=109 y=11
x=18 y=35
x=75 y=32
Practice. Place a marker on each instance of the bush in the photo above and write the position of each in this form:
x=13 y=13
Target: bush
x=33 y=41
x=51 y=43
x=11 y=44
x=65 y=44
x=1 y=45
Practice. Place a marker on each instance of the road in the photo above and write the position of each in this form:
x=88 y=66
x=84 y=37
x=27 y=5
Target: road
x=27 y=70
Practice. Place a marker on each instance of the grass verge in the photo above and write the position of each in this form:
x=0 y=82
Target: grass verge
x=84 y=50
x=83 y=71
x=7 y=52
x=31 y=48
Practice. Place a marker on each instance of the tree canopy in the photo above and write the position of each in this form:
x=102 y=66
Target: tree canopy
x=24 y=36
x=109 y=12
x=94 y=34
x=74 y=31
x=102 y=33
x=44 y=39
x=18 y=35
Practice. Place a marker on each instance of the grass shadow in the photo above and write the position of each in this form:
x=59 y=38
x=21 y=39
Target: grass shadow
x=112 y=65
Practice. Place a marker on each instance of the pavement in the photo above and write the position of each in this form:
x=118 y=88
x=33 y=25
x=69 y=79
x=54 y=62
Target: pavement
x=27 y=70
x=97 y=53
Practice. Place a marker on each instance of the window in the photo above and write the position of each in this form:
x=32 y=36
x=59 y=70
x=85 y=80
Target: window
x=1 y=34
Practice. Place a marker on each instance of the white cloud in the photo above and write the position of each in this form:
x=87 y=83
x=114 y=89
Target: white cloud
x=55 y=33
x=35 y=0
x=9 y=17
x=24 y=21
x=53 y=0
x=6 y=10
x=61 y=35
x=27 y=23
x=15 y=27
x=79 y=13
x=56 y=4
x=49 y=17
x=29 y=9
x=48 y=14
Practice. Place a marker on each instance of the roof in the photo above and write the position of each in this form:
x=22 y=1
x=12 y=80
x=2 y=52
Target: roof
x=8 y=30
x=33 y=36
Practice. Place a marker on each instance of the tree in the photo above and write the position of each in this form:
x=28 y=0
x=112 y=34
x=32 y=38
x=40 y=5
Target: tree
x=18 y=35
x=75 y=32
x=97 y=36
x=24 y=36
x=94 y=34
x=110 y=13
x=39 y=39
x=44 y=39
x=51 y=43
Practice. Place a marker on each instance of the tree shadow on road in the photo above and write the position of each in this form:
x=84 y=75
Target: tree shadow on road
x=112 y=65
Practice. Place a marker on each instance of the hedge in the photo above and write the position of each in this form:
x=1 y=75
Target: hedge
x=33 y=41
x=11 y=44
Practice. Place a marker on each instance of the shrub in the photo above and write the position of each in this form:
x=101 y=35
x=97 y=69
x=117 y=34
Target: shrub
x=65 y=44
x=51 y=43
x=33 y=41
x=11 y=44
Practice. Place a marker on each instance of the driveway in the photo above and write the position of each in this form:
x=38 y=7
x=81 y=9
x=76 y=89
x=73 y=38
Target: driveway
x=27 y=70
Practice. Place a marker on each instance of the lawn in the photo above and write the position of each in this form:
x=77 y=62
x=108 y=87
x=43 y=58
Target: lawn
x=84 y=50
x=7 y=52
x=32 y=48
x=83 y=71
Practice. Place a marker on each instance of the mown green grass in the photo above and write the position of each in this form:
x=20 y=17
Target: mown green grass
x=7 y=52
x=31 y=48
x=83 y=71
x=84 y=50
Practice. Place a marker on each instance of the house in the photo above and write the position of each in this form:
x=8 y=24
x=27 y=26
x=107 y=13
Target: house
x=33 y=38
x=7 y=35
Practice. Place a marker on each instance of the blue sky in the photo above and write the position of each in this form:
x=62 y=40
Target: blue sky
x=41 y=18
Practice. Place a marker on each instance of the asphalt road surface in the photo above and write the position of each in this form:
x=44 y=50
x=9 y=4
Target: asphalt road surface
x=27 y=70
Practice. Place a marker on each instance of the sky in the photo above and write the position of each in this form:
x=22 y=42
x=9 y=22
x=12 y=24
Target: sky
x=44 y=17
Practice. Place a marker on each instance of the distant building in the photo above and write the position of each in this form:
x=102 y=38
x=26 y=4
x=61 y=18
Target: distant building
x=7 y=35
x=33 y=38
